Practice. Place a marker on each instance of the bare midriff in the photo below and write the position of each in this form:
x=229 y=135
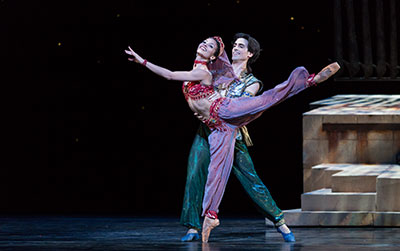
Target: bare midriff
x=200 y=106
x=199 y=97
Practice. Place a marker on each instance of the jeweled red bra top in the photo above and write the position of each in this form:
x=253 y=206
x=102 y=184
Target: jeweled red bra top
x=196 y=91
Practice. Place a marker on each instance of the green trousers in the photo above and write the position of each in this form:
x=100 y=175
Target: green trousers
x=243 y=168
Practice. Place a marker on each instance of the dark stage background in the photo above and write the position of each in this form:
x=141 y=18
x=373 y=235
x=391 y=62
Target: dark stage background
x=86 y=131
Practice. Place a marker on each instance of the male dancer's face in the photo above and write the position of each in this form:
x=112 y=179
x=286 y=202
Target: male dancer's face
x=240 y=50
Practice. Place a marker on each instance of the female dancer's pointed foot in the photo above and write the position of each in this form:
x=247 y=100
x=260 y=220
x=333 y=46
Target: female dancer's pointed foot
x=208 y=225
x=286 y=233
x=325 y=73
x=191 y=235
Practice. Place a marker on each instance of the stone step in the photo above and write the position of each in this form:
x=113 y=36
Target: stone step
x=388 y=189
x=299 y=218
x=326 y=200
x=360 y=178
x=321 y=175
x=351 y=177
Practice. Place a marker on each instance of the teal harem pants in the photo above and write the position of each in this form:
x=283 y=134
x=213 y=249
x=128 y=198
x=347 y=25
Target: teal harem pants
x=243 y=168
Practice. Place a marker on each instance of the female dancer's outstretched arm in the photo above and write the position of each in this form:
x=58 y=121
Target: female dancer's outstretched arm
x=194 y=75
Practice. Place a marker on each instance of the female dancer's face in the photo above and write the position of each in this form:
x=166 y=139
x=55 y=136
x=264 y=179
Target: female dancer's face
x=207 y=48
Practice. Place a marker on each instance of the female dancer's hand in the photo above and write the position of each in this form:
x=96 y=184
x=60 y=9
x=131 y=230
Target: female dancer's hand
x=135 y=57
x=201 y=118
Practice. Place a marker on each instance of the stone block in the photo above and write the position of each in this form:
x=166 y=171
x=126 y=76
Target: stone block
x=312 y=127
x=388 y=190
x=396 y=135
x=343 y=218
x=296 y=217
x=387 y=219
x=396 y=119
x=332 y=169
x=374 y=119
x=318 y=179
x=321 y=175
x=354 y=184
x=380 y=135
x=379 y=151
x=307 y=180
x=325 y=200
x=342 y=151
x=340 y=119
x=314 y=152
x=396 y=144
x=360 y=178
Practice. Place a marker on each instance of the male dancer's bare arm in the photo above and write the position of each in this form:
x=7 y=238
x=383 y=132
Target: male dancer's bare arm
x=252 y=89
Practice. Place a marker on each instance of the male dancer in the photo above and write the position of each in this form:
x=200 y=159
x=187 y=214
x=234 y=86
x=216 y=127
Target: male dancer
x=245 y=51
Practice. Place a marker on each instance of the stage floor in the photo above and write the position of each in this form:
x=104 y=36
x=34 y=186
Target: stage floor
x=130 y=233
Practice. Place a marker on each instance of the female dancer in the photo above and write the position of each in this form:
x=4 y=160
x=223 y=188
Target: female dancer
x=223 y=115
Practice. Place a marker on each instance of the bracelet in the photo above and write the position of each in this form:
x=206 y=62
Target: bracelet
x=144 y=62
x=310 y=80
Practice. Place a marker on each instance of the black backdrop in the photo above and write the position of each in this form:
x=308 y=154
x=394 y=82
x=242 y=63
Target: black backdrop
x=86 y=131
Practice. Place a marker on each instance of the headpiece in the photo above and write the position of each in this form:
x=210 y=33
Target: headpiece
x=221 y=69
x=221 y=44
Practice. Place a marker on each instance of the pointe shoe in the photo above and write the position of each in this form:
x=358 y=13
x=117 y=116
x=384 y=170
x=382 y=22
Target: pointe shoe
x=289 y=237
x=324 y=74
x=208 y=225
x=190 y=236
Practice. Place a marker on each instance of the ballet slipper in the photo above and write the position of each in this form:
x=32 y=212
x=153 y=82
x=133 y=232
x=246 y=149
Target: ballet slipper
x=191 y=235
x=287 y=235
x=324 y=74
x=208 y=225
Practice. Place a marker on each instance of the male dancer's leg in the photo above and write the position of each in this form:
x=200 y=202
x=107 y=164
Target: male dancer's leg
x=243 y=168
x=197 y=170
